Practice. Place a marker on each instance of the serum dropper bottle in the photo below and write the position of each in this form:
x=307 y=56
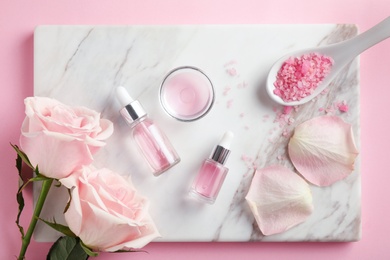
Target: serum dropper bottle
x=212 y=173
x=152 y=142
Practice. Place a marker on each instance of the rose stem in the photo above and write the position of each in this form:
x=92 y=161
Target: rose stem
x=34 y=219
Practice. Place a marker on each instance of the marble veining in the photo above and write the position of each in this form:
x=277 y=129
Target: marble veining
x=82 y=65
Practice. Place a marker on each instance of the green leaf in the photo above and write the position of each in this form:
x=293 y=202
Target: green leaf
x=22 y=156
x=69 y=201
x=19 y=163
x=39 y=177
x=20 y=200
x=87 y=250
x=67 y=248
x=60 y=228
x=19 y=194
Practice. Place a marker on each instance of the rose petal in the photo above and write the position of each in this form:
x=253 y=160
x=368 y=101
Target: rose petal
x=106 y=212
x=279 y=199
x=60 y=139
x=323 y=150
x=66 y=155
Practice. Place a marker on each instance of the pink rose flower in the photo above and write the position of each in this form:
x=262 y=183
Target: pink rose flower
x=106 y=212
x=59 y=139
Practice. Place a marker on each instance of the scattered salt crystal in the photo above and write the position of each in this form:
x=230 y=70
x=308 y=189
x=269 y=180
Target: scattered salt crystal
x=299 y=77
x=242 y=85
x=285 y=133
x=343 y=107
x=325 y=91
x=287 y=110
x=246 y=158
x=282 y=119
x=249 y=161
x=229 y=103
x=231 y=71
x=229 y=63
x=226 y=91
x=271 y=140
x=330 y=110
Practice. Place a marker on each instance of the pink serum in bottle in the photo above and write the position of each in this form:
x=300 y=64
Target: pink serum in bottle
x=154 y=145
x=211 y=176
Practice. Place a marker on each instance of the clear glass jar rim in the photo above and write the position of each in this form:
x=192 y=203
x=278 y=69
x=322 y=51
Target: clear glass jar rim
x=201 y=113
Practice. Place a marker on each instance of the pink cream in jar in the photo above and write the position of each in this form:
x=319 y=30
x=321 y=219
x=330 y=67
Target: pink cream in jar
x=187 y=94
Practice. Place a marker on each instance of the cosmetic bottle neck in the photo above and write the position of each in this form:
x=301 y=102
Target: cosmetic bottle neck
x=133 y=113
x=220 y=154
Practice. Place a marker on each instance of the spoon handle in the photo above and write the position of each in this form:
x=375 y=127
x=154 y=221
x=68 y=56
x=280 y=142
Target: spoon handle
x=365 y=40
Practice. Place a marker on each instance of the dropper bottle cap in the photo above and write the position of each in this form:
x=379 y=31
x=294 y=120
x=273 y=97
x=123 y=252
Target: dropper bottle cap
x=132 y=109
x=222 y=150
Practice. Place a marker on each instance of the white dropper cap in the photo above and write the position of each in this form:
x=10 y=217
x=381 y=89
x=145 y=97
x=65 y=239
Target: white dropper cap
x=132 y=110
x=226 y=140
x=222 y=150
x=123 y=96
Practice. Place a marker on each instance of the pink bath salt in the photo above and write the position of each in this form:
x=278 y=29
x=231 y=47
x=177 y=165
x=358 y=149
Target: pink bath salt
x=284 y=117
x=255 y=165
x=231 y=71
x=226 y=91
x=242 y=85
x=287 y=110
x=325 y=91
x=285 y=133
x=229 y=103
x=330 y=110
x=300 y=76
x=229 y=63
x=343 y=107
x=246 y=158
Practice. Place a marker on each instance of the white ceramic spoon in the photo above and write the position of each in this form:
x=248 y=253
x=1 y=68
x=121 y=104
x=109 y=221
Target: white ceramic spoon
x=342 y=54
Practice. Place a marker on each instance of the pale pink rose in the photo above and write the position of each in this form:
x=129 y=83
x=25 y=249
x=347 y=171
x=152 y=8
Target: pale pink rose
x=59 y=139
x=106 y=212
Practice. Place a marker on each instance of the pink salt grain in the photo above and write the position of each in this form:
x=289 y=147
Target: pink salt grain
x=300 y=76
x=343 y=107
x=226 y=91
x=231 y=71
x=229 y=103
x=244 y=84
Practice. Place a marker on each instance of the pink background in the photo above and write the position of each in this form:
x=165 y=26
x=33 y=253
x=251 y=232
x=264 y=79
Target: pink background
x=19 y=18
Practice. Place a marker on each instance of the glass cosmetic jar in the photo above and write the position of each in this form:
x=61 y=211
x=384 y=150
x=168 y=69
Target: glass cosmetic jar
x=186 y=93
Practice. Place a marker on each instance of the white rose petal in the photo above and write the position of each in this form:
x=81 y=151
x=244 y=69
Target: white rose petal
x=323 y=150
x=279 y=199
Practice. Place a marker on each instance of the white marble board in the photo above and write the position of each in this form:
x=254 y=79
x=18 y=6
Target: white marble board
x=82 y=65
